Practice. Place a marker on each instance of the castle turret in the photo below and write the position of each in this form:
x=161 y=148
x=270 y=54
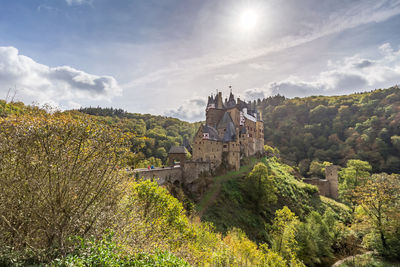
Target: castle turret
x=231 y=102
x=218 y=101
x=231 y=97
x=210 y=103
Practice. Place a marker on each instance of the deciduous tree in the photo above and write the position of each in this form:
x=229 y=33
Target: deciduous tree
x=59 y=176
x=379 y=198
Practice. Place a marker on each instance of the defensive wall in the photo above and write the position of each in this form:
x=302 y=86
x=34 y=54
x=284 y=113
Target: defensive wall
x=161 y=175
x=329 y=186
x=186 y=174
x=191 y=171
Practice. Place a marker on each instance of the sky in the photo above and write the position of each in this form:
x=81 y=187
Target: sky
x=165 y=57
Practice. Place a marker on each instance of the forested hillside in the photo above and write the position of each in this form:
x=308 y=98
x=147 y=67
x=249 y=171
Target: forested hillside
x=250 y=200
x=66 y=199
x=362 y=126
x=155 y=135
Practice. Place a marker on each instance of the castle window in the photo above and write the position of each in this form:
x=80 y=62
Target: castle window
x=225 y=146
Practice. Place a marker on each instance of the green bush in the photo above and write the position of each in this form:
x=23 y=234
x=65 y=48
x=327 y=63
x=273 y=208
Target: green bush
x=106 y=252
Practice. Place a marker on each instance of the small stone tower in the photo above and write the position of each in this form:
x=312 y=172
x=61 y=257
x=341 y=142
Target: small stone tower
x=177 y=153
x=331 y=174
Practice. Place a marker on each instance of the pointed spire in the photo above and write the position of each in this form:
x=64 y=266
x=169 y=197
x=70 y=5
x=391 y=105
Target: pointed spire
x=218 y=101
x=231 y=97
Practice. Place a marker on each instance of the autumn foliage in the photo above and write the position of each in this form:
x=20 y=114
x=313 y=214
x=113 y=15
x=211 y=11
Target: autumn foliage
x=59 y=177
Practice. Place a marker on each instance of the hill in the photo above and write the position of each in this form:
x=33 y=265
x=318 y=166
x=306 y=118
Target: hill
x=154 y=135
x=363 y=126
x=50 y=159
x=233 y=206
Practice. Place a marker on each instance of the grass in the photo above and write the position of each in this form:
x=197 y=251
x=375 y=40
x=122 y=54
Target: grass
x=229 y=204
x=210 y=196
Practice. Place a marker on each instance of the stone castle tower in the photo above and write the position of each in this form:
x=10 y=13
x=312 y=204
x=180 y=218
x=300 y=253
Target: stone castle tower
x=233 y=129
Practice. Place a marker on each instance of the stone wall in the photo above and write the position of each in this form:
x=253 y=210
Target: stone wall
x=186 y=174
x=213 y=116
x=322 y=184
x=161 y=175
x=235 y=115
x=194 y=169
x=328 y=187
x=260 y=130
x=180 y=157
x=207 y=150
x=232 y=150
x=331 y=174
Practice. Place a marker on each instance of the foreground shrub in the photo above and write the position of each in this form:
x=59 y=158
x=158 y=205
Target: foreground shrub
x=149 y=218
x=59 y=177
x=106 y=252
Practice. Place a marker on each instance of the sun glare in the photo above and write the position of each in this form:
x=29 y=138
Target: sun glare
x=248 y=20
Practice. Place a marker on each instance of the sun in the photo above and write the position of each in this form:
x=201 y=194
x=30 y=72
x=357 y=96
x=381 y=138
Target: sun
x=248 y=20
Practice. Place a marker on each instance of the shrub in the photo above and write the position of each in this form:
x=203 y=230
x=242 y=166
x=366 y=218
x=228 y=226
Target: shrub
x=106 y=252
x=59 y=177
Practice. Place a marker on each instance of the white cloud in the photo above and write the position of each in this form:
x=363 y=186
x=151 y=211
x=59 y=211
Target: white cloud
x=190 y=110
x=226 y=77
x=40 y=83
x=254 y=93
x=47 y=8
x=344 y=76
x=259 y=66
x=348 y=17
x=78 y=2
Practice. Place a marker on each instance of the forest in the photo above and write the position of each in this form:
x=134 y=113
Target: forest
x=307 y=131
x=68 y=198
x=363 y=126
x=154 y=135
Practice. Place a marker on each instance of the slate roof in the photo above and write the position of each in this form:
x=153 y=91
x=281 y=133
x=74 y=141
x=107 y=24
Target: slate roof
x=230 y=133
x=231 y=104
x=241 y=105
x=212 y=132
x=226 y=119
x=210 y=100
x=177 y=150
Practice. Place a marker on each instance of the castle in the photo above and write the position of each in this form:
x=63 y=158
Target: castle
x=233 y=129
